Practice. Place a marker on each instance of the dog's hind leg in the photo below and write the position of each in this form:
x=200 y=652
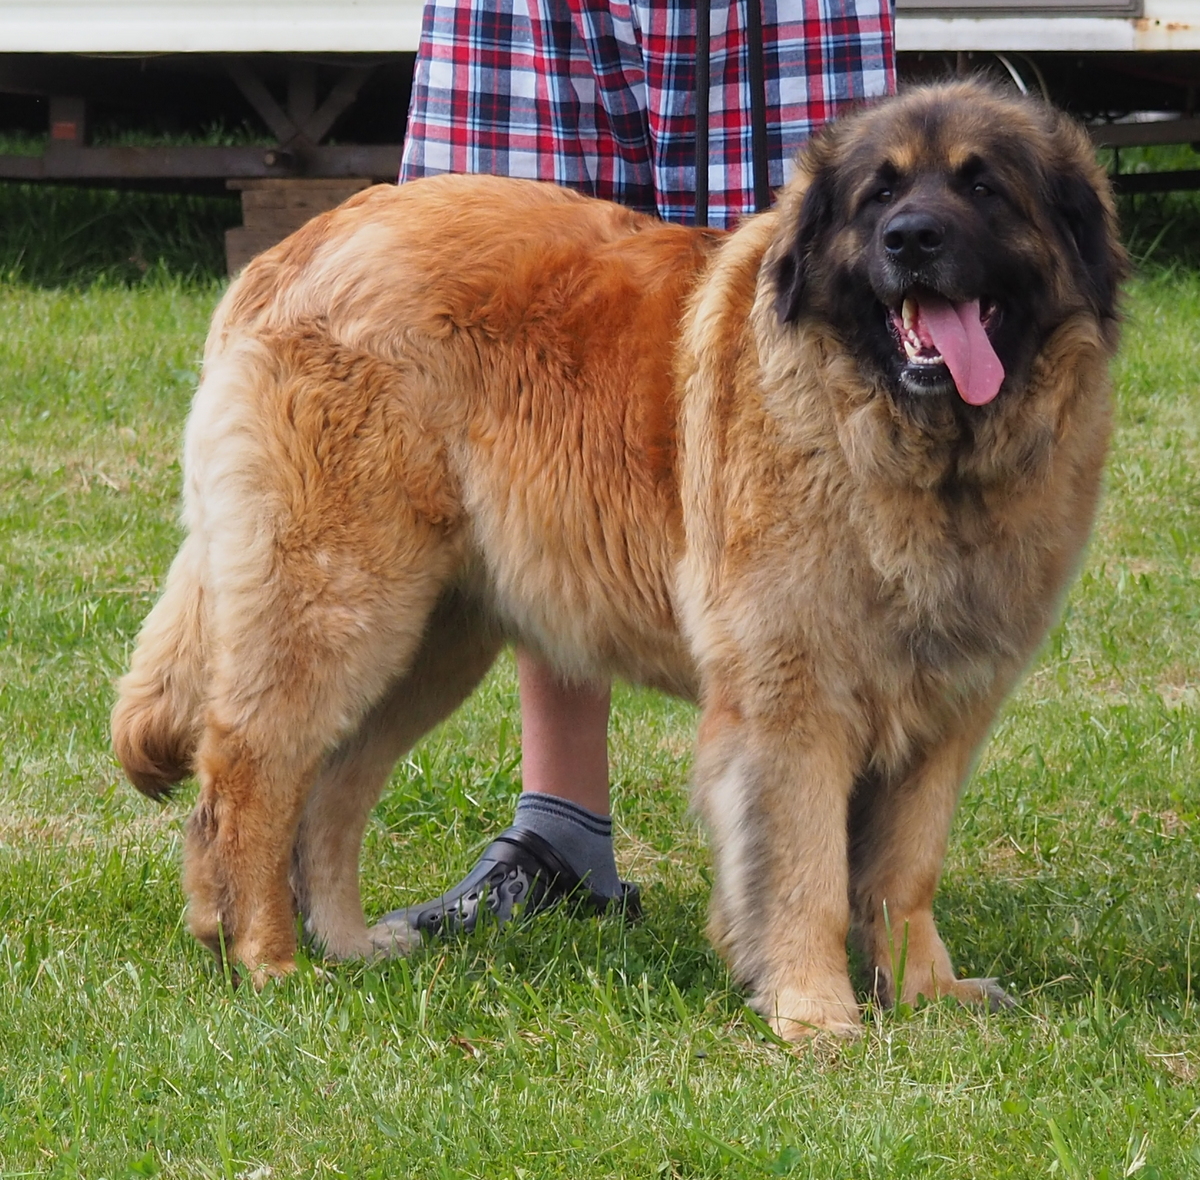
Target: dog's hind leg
x=331 y=538
x=281 y=703
x=898 y=842
x=458 y=648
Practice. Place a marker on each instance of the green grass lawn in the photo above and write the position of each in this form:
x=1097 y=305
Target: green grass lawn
x=566 y=1047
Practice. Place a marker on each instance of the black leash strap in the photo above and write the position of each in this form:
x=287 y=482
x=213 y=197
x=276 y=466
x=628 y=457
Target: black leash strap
x=703 y=34
x=758 y=106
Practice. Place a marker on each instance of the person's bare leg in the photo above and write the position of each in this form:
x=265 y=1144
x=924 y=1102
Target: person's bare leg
x=564 y=772
x=561 y=834
x=564 y=736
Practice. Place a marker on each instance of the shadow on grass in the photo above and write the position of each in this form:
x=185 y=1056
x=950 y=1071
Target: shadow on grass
x=52 y=236
x=1162 y=230
x=1067 y=934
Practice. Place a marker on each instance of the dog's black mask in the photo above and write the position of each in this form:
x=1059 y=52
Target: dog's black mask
x=916 y=240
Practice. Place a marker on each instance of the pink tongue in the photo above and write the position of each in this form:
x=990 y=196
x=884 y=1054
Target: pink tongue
x=959 y=337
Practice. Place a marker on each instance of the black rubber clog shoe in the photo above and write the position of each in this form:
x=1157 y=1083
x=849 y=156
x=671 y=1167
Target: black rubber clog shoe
x=517 y=869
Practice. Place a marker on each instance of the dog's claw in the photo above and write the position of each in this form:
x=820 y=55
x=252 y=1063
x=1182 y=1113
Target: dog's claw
x=982 y=993
x=997 y=998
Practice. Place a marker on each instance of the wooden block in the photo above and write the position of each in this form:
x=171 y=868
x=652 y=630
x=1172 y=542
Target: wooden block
x=242 y=244
x=272 y=209
x=314 y=196
x=281 y=221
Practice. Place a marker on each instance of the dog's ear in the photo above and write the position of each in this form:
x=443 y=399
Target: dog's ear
x=791 y=271
x=1089 y=231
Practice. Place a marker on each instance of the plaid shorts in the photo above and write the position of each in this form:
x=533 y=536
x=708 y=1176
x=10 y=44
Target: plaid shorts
x=600 y=94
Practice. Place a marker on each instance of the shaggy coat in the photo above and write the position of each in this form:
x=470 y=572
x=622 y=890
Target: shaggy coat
x=470 y=411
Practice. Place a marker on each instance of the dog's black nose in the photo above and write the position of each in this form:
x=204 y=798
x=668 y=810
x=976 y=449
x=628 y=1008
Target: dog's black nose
x=913 y=239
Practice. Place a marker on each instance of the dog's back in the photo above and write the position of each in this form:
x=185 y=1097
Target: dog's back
x=478 y=354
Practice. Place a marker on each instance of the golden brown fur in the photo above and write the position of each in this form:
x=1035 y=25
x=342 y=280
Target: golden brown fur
x=468 y=411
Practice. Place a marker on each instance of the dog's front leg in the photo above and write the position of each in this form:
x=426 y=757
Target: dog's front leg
x=898 y=842
x=774 y=793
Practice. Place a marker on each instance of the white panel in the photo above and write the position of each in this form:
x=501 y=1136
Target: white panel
x=1028 y=34
x=1029 y=8
x=186 y=26
x=1165 y=25
x=389 y=26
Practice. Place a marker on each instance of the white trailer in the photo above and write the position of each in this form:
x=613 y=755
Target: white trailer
x=308 y=70
x=219 y=26
x=393 y=26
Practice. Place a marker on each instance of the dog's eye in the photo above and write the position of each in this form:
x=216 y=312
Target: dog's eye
x=883 y=196
x=979 y=189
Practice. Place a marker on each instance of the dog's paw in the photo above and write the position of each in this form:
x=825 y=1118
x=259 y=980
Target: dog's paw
x=796 y=1015
x=380 y=941
x=389 y=940
x=264 y=973
x=936 y=985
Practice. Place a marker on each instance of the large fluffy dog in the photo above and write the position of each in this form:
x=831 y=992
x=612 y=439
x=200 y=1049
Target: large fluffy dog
x=829 y=474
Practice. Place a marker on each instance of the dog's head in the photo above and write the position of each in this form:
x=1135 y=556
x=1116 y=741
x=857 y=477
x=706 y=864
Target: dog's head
x=945 y=234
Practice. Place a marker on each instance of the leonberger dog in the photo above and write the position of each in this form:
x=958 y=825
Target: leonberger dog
x=828 y=475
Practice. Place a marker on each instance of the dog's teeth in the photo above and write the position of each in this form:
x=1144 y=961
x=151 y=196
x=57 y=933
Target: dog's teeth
x=917 y=352
x=908 y=313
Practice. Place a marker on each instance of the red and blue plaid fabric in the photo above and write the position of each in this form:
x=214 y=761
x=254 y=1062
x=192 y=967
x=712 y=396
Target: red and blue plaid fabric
x=600 y=94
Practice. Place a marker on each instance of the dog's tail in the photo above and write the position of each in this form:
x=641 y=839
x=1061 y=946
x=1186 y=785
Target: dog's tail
x=156 y=720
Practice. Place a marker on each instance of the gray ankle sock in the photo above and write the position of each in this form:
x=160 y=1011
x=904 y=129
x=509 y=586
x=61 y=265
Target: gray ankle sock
x=581 y=837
